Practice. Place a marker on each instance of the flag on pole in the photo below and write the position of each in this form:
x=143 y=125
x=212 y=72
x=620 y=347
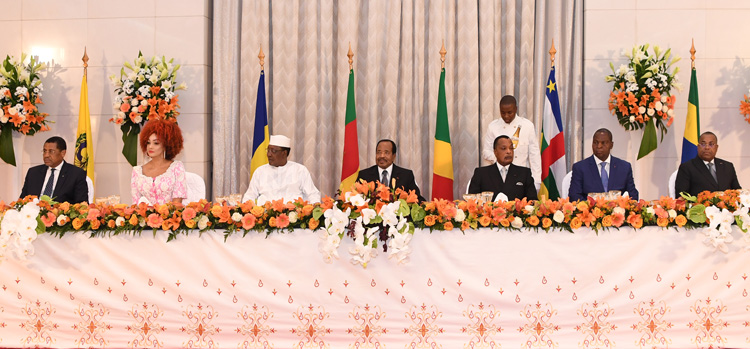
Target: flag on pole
x=260 y=132
x=84 y=151
x=350 y=162
x=692 y=123
x=442 y=171
x=552 y=142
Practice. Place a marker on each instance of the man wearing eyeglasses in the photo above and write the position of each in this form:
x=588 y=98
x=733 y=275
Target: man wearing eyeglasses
x=706 y=171
x=386 y=172
x=281 y=178
x=57 y=179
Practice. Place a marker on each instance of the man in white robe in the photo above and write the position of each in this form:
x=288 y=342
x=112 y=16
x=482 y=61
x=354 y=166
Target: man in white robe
x=523 y=134
x=280 y=178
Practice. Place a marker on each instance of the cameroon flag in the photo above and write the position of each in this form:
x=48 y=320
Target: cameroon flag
x=350 y=163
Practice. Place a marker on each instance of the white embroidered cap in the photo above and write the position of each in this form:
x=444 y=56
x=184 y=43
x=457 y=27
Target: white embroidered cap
x=280 y=141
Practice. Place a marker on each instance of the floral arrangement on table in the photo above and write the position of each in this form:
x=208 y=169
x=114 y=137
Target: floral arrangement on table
x=745 y=108
x=641 y=93
x=19 y=227
x=20 y=94
x=145 y=90
x=374 y=215
x=371 y=212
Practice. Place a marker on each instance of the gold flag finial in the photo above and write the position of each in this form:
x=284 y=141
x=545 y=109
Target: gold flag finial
x=552 y=53
x=692 y=55
x=85 y=60
x=350 y=54
x=261 y=57
x=442 y=55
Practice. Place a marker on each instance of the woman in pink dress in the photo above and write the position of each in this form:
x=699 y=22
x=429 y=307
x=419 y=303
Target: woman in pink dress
x=161 y=179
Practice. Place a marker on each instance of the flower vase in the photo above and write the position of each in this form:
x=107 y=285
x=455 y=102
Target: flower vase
x=635 y=142
x=14 y=174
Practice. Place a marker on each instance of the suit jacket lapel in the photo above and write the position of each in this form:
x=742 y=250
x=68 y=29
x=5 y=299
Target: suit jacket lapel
x=61 y=179
x=596 y=173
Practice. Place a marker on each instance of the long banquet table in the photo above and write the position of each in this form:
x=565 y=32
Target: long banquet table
x=482 y=288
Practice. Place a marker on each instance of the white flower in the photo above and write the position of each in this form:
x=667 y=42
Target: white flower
x=293 y=217
x=61 y=219
x=12 y=111
x=3 y=119
x=388 y=212
x=665 y=108
x=141 y=78
x=166 y=84
x=663 y=97
x=398 y=246
x=328 y=246
x=134 y=102
x=154 y=79
x=357 y=200
x=181 y=86
x=641 y=110
x=650 y=210
x=672 y=213
x=120 y=221
x=670 y=112
x=632 y=118
x=460 y=215
x=517 y=222
x=658 y=105
x=144 y=102
x=236 y=216
x=622 y=70
x=203 y=222
x=367 y=215
x=650 y=111
x=558 y=216
x=528 y=209
x=137 y=119
x=618 y=210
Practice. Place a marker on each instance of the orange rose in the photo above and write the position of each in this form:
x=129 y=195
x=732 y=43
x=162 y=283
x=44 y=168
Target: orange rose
x=582 y=206
x=216 y=210
x=64 y=207
x=257 y=211
x=533 y=220
x=680 y=220
x=190 y=223
x=505 y=222
x=133 y=220
x=272 y=222
x=429 y=220
x=546 y=222
x=307 y=210
x=662 y=222
x=48 y=219
x=77 y=223
x=607 y=221
x=465 y=225
x=313 y=223
x=95 y=224
x=111 y=223
x=575 y=223
x=326 y=203
x=448 y=226
x=485 y=220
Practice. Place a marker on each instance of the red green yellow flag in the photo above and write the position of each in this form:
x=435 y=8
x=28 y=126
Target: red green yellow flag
x=442 y=171
x=350 y=163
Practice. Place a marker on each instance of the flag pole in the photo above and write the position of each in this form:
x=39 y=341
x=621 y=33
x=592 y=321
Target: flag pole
x=442 y=55
x=85 y=60
x=350 y=54
x=692 y=54
x=552 y=53
x=261 y=57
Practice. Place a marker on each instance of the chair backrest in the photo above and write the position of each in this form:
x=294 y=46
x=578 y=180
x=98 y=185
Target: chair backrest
x=90 y=185
x=467 y=186
x=566 y=184
x=672 y=179
x=196 y=187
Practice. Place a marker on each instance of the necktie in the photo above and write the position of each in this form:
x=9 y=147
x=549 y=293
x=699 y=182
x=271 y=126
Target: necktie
x=504 y=173
x=50 y=183
x=712 y=169
x=384 y=179
x=605 y=176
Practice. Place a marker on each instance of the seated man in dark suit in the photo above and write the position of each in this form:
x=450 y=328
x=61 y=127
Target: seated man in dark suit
x=388 y=173
x=706 y=171
x=514 y=181
x=601 y=172
x=57 y=179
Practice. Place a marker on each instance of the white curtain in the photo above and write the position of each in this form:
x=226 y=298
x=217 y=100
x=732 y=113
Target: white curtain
x=494 y=48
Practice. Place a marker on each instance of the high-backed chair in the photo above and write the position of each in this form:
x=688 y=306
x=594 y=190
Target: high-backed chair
x=196 y=187
x=566 y=185
x=90 y=185
x=672 y=180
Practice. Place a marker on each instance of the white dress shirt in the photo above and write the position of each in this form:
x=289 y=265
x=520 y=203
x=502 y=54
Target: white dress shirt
x=54 y=181
x=526 y=154
x=500 y=168
x=390 y=174
x=606 y=167
x=287 y=182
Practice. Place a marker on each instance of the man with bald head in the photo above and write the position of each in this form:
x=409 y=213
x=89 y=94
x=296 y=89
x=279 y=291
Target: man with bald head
x=706 y=171
x=601 y=172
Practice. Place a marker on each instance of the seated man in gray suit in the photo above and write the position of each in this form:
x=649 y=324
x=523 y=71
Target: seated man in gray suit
x=706 y=171
x=504 y=177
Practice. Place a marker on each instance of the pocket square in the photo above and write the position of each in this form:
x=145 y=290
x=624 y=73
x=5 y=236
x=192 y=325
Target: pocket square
x=519 y=183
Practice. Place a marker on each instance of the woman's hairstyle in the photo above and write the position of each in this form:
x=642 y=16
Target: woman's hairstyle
x=167 y=132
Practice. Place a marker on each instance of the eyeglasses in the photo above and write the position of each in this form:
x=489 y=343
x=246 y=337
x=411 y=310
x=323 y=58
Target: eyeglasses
x=49 y=151
x=273 y=150
x=707 y=145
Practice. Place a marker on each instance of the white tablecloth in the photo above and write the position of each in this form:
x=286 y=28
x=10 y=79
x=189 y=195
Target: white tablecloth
x=625 y=288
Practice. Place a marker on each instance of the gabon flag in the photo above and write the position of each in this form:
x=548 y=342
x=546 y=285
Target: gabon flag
x=692 y=123
x=442 y=171
x=84 y=150
x=350 y=161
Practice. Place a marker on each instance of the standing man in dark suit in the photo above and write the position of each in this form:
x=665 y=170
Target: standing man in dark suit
x=388 y=173
x=706 y=171
x=57 y=179
x=601 y=172
x=514 y=181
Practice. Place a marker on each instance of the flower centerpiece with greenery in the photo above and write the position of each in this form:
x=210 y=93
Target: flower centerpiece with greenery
x=745 y=108
x=145 y=90
x=641 y=93
x=20 y=94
